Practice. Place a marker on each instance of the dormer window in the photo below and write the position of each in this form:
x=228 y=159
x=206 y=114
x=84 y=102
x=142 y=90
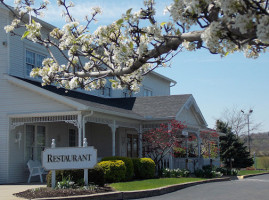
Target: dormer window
x=147 y=92
x=33 y=60
x=105 y=91
x=127 y=93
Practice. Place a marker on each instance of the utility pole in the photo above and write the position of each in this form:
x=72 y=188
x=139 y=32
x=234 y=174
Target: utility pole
x=247 y=115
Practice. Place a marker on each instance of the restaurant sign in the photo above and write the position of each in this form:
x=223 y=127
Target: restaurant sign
x=69 y=158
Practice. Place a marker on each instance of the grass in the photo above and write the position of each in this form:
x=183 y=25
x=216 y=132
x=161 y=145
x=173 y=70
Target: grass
x=151 y=183
x=247 y=172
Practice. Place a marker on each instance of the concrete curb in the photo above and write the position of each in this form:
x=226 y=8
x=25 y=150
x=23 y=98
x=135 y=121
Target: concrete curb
x=136 y=194
x=251 y=175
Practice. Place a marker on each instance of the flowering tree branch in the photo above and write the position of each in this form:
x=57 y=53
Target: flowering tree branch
x=137 y=43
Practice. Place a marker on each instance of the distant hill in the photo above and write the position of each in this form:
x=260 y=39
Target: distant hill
x=259 y=143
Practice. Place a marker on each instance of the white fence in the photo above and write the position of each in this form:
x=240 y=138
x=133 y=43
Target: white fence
x=191 y=164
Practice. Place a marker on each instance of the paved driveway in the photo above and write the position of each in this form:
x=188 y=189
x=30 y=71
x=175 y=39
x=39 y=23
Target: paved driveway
x=255 y=188
x=6 y=191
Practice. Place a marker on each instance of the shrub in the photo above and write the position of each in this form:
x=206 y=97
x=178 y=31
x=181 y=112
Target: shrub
x=173 y=173
x=184 y=173
x=128 y=164
x=65 y=184
x=208 y=171
x=136 y=167
x=144 y=168
x=114 y=170
x=225 y=171
x=95 y=175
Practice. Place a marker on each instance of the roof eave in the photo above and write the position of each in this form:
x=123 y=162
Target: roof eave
x=59 y=98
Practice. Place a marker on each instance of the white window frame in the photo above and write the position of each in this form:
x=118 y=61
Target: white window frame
x=36 y=54
x=105 y=91
x=35 y=133
x=127 y=93
x=147 y=92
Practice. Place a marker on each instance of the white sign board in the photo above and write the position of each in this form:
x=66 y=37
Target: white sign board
x=69 y=158
x=185 y=133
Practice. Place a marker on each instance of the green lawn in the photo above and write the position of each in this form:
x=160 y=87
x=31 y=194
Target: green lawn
x=151 y=183
x=247 y=172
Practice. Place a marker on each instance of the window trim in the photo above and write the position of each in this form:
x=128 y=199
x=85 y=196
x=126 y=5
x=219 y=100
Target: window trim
x=35 y=133
x=147 y=89
x=35 y=64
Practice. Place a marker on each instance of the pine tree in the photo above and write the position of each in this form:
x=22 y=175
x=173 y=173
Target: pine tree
x=233 y=153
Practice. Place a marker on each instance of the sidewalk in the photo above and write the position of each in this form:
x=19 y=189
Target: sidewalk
x=7 y=191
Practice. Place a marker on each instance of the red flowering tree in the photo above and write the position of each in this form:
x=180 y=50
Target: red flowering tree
x=209 y=147
x=158 y=142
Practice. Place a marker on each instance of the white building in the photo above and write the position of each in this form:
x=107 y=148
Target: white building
x=31 y=115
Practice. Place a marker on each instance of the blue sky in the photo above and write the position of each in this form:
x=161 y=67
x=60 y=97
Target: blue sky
x=216 y=83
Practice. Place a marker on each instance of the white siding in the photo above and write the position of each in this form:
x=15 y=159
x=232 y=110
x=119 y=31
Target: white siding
x=188 y=117
x=3 y=118
x=20 y=100
x=158 y=85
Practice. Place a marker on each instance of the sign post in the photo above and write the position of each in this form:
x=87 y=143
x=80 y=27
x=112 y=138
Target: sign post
x=85 y=144
x=69 y=158
x=53 y=173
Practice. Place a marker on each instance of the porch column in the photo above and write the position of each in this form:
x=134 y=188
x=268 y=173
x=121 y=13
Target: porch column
x=171 y=151
x=79 y=129
x=140 y=140
x=113 y=129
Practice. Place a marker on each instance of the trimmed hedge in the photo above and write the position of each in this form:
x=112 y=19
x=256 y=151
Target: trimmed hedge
x=144 y=168
x=128 y=164
x=114 y=170
x=95 y=175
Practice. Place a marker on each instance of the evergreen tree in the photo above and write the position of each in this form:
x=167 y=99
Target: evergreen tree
x=233 y=153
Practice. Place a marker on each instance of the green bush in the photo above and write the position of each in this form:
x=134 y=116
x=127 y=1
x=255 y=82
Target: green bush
x=128 y=164
x=144 y=168
x=207 y=172
x=114 y=170
x=225 y=171
x=95 y=175
x=174 y=173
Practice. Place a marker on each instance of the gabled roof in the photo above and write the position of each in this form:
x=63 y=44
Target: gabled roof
x=151 y=108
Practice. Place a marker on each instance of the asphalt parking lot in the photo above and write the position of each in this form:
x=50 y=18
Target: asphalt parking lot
x=255 y=188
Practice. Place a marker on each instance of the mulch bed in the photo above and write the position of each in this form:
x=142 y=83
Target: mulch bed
x=49 y=192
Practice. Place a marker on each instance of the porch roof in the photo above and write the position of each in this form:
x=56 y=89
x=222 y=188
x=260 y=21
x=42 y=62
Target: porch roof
x=155 y=107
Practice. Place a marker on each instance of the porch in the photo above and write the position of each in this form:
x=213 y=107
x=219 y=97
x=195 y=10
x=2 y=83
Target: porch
x=30 y=134
x=111 y=135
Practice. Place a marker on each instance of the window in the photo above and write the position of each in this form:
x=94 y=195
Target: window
x=127 y=93
x=35 y=142
x=33 y=60
x=147 y=92
x=132 y=145
x=73 y=138
x=106 y=91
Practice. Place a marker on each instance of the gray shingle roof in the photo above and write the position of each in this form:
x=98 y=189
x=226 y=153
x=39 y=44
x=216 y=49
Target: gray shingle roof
x=159 y=106
x=138 y=107
x=146 y=107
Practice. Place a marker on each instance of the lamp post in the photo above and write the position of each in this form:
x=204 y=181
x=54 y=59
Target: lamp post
x=248 y=114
